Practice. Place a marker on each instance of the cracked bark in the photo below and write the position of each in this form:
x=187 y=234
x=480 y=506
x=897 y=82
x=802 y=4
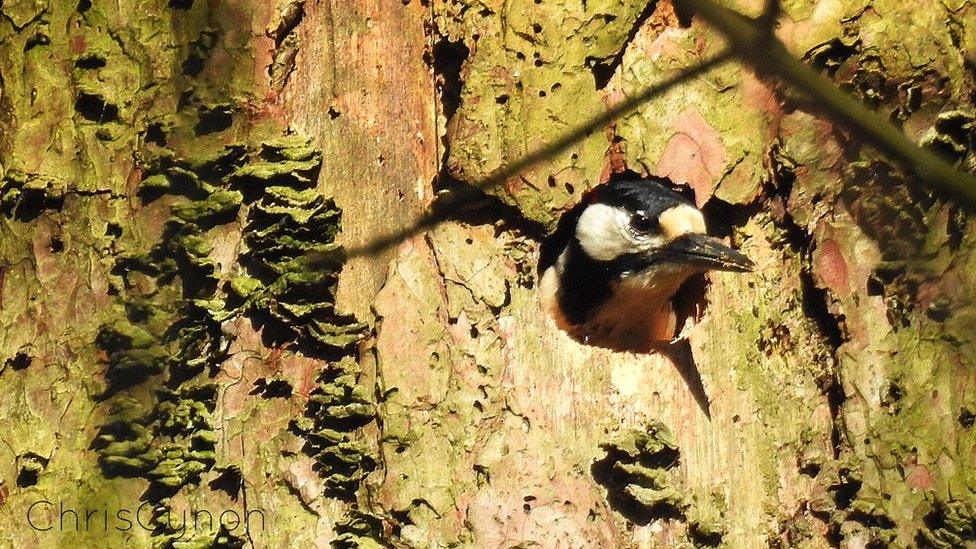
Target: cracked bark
x=838 y=408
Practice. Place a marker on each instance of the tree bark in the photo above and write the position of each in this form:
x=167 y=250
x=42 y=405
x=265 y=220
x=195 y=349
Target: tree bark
x=167 y=350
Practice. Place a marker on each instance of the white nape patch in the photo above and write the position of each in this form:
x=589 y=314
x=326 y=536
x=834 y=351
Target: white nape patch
x=604 y=233
x=681 y=219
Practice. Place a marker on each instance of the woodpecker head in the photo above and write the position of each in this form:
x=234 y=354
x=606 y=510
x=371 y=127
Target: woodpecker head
x=622 y=255
x=643 y=226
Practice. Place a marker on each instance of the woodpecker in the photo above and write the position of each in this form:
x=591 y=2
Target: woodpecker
x=609 y=272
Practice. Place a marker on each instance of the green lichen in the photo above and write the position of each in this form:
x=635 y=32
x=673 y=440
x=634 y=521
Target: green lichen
x=288 y=162
x=124 y=442
x=360 y=530
x=337 y=407
x=282 y=287
x=949 y=524
x=639 y=473
x=93 y=95
x=133 y=354
x=904 y=453
x=635 y=473
x=220 y=205
x=531 y=72
x=26 y=196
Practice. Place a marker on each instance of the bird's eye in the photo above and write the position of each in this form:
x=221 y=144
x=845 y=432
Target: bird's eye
x=641 y=223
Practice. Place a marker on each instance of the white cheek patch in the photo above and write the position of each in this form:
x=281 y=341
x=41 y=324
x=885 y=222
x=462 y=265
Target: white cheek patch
x=681 y=219
x=604 y=233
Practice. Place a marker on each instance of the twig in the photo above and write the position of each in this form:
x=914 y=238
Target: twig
x=769 y=16
x=768 y=55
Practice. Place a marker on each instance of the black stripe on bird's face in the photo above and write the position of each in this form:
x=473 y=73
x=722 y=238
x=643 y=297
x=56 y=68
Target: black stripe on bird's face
x=607 y=231
x=630 y=238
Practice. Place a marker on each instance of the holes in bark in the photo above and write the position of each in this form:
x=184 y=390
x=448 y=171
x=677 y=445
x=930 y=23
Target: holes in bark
x=30 y=467
x=602 y=71
x=635 y=475
x=199 y=49
x=815 y=306
x=56 y=245
x=702 y=538
x=830 y=55
x=846 y=489
x=181 y=4
x=94 y=107
x=810 y=469
x=967 y=418
x=37 y=39
x=19 y=361
x=447 y=59
x=291 y=15
x=90 y=62
x=27 y=477
x=892 y=396
x=276 y=388
x=721 y=216
x=155 y=134
x=213 y=120
x=83 y=6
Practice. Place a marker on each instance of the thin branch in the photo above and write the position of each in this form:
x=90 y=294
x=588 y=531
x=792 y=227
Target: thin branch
x=770 y=14
x=768 y=55
x=458 y=200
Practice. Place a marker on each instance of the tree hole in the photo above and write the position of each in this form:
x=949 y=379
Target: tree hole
x=95 y=108
x=20 y=361
x=213 y=120
x=57 y=245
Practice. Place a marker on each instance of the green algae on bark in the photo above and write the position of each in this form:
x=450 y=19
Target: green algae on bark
x=532 y=72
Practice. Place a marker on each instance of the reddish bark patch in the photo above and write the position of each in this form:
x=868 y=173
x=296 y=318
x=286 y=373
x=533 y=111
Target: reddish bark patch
x=760 y=96
x=133 y=180
x=78 y=44
x=615 y=159
x=832 y=267
x=694 y=155
x=920 y=478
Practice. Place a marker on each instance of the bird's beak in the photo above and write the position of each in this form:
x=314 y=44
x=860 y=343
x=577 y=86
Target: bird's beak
x=709 y=253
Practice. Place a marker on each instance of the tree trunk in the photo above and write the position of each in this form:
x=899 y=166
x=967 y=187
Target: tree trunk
x=176 y=373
